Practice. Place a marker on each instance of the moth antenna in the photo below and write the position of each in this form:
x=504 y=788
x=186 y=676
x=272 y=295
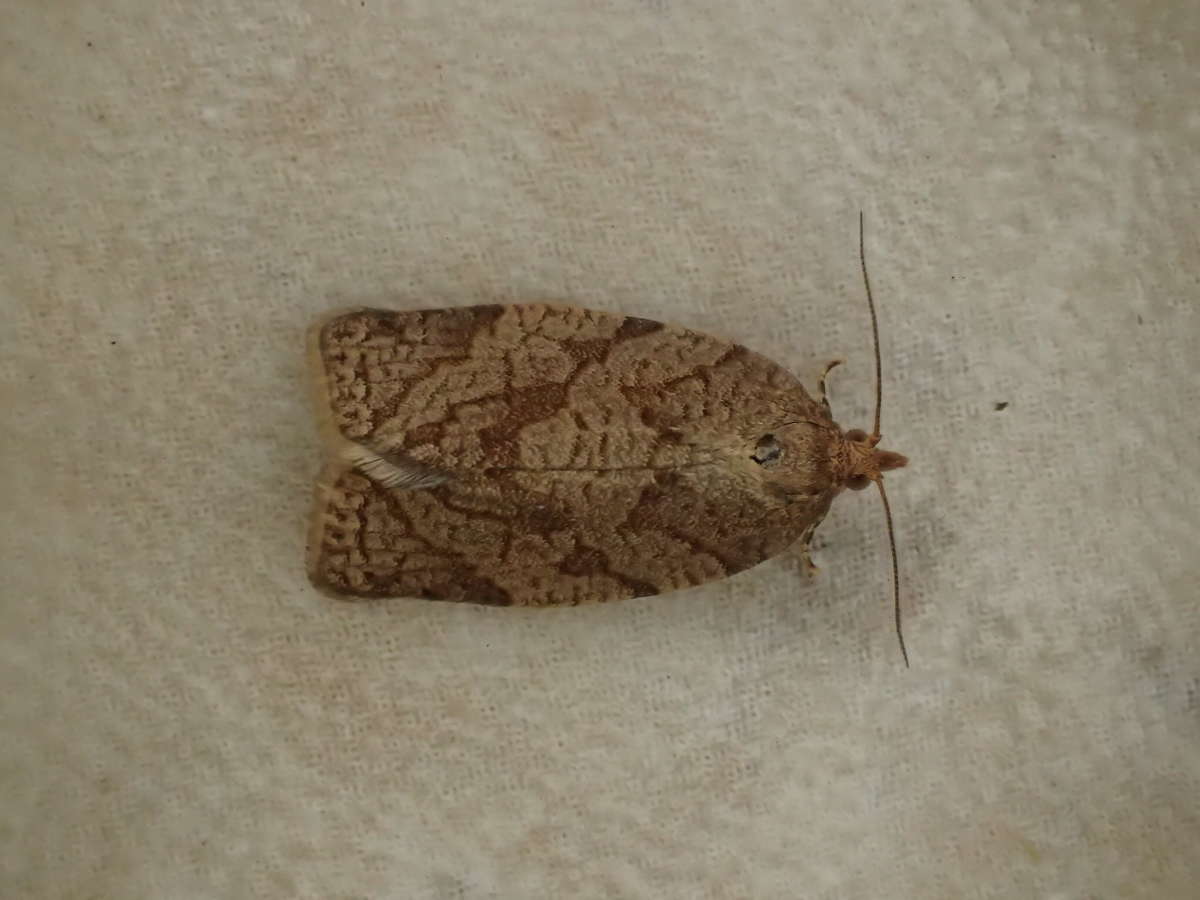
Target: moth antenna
x=887 y=514
x=862 y=258
x=875 y=434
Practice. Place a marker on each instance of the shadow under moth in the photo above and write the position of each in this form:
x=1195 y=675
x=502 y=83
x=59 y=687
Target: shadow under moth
x=540 y=455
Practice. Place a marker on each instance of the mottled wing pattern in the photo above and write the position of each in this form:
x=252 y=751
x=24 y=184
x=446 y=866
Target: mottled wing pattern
x=562 y=456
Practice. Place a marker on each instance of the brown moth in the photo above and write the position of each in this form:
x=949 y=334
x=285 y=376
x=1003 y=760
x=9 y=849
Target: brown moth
x=539 y=455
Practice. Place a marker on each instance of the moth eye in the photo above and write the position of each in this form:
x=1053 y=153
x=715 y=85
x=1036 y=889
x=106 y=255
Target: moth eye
x=767 y=452
x=856 y=434
x=857 y=482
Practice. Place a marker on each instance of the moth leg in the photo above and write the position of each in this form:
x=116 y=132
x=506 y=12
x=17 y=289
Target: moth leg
x=822 y=393
x=810 y=568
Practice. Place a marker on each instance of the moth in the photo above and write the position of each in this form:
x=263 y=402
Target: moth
x=542 y=455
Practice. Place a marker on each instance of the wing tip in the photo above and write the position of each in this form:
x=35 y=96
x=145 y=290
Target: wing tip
x=323 y=488
x=318 y=375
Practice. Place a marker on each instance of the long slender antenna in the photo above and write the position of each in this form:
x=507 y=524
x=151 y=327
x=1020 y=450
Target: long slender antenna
x=875 y=435
x=887 y=512
x=862 y=258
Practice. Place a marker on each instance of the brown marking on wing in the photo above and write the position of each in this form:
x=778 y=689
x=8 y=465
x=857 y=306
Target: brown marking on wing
x=524 y=407
x=370 y=360
x=589 y=561
x=635 y=327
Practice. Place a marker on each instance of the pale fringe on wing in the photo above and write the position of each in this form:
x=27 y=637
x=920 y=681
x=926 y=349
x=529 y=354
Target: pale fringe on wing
x=409 y=476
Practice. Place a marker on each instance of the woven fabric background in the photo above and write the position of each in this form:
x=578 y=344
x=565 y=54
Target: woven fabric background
x=184 y=186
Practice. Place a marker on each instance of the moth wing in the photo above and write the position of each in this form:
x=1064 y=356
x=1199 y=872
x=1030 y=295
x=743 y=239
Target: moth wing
x=542 y=455
x=367 y=540
x=517 y=540
x=469 y=389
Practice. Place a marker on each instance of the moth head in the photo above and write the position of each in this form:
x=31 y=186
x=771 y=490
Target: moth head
x=860 y=462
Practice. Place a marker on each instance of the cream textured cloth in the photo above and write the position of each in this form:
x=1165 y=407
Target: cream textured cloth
x=185 y=185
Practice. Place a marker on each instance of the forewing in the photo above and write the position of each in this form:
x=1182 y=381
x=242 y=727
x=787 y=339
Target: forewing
x=516 y=539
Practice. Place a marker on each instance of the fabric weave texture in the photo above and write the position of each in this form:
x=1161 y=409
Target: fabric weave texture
x=186 y=186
